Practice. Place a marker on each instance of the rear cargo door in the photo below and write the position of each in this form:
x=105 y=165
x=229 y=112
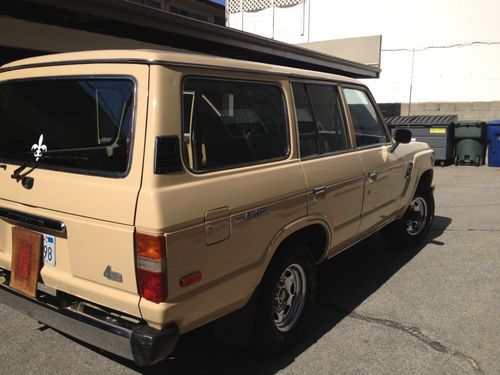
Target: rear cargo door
x=71 y=150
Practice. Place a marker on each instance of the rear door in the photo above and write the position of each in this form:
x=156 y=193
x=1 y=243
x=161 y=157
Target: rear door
x=333 y=170
x=71 y=147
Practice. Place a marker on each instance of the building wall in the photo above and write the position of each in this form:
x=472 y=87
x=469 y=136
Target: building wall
x=484 y=111
x=435 y=52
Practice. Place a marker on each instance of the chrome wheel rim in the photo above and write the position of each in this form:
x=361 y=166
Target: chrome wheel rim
x=289 y=298
x=417 y=216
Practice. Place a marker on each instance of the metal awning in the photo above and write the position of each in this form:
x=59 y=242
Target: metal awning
x=121 y=18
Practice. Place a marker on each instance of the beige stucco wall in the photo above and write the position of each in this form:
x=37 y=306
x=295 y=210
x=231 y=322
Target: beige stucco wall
x=365 y=50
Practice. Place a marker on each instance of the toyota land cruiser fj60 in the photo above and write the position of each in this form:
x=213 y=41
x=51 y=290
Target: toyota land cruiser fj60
x=145 y=194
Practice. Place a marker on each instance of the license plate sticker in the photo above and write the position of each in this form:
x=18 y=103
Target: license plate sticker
x=49 y=250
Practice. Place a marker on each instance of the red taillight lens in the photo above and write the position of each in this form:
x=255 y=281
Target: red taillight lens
x=151 y=267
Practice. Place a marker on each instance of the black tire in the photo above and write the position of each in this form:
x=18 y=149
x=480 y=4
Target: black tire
x=277 y=328
x=412 y=228
x=456 y=160
x=478 y=161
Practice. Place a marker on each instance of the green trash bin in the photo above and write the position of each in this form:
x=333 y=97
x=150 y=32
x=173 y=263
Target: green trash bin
x=470 y=146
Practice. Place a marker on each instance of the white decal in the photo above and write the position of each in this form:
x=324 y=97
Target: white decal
x=39 y=148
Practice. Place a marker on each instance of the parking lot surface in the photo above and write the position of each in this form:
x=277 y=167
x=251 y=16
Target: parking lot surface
x=381 y=309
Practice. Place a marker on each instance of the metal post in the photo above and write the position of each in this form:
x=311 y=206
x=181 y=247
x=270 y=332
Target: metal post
x=309 y=21
x=241 y=7
x=273 y=19
x=411 y=80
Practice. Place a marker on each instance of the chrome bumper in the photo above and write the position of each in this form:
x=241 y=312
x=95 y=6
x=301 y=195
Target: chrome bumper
x=138 y=342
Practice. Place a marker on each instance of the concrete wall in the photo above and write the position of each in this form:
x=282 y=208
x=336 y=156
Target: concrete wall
x=365 y=50
x=484 y=111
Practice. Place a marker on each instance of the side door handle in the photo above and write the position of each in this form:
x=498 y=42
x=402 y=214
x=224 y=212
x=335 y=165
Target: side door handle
x=372 y=176
x=319 y=192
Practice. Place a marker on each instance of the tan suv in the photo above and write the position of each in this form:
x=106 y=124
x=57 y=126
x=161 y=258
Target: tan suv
x=144 y=194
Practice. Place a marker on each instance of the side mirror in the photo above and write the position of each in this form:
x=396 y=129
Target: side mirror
x=400 y=136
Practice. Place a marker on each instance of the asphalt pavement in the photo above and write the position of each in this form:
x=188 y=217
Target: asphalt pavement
x=381 y=310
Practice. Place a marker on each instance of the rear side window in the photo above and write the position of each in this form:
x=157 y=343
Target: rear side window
x=368 y=128
x=80 y=124
x=230 y=123
x=322 y=128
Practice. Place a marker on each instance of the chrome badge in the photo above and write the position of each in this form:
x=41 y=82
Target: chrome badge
x=112 y=275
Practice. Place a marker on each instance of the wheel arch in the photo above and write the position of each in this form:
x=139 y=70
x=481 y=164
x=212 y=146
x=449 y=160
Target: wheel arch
x=315 y=234
x=425 y=180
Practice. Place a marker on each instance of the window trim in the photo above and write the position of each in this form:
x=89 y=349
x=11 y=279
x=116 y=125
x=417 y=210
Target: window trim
x=88 y=172
x=239 y=165
x=377 y=112
x=340 y=95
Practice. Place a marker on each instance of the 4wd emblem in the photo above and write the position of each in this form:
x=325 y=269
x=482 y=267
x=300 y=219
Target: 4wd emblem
x=39 y=148
x=112 y=275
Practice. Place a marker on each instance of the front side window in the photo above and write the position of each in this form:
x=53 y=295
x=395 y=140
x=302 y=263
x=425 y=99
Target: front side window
x=230 y=123
x=81 y=124
x=322 y=128
x=368 y=128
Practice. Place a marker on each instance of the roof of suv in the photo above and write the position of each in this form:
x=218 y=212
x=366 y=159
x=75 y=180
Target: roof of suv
x=167 y=58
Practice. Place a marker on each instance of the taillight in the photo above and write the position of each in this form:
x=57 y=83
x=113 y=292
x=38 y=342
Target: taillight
x=151 y=267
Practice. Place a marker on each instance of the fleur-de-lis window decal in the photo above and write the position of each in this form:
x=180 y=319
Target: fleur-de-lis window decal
x=39 y=148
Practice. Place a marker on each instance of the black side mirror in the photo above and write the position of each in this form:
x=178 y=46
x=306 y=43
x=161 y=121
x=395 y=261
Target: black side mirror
x=400 y=136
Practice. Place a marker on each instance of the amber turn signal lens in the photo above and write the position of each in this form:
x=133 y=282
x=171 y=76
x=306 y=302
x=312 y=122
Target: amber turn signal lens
x=148 y=246
x=151 y=267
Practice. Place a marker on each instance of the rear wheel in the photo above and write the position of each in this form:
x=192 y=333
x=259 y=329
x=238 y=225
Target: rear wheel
x=411 y=229
x=456 y=160
x=478 y=161
x=286 y=300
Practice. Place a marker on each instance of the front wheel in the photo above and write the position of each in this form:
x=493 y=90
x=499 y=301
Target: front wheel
x=411 y=229
x=286 y=300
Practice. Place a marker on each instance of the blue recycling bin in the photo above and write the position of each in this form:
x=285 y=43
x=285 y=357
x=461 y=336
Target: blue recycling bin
x=493 y=136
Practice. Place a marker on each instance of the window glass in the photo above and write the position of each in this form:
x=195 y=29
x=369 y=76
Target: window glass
x=77 y=123
x=322 y=128
x=329 y=121
x=307 y=129
x=368 y=128
x=228 y=123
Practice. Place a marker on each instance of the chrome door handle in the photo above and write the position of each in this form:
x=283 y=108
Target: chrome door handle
x=372 y=176
x=319 y=192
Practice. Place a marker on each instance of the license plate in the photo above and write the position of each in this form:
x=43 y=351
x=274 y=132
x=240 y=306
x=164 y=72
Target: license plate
x=49 y=250
x=438 y=130
x=26 y=260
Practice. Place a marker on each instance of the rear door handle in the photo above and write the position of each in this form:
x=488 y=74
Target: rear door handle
x=372 y=176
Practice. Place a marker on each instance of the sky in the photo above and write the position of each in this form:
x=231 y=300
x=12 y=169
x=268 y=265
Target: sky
x=222 y=2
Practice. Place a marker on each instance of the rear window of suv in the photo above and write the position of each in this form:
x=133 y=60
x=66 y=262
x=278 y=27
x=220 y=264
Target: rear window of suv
x=78 y=124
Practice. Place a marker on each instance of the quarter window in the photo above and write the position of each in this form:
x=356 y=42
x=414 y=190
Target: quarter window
x=368 y=128
x=322 y=127
x=229 y=123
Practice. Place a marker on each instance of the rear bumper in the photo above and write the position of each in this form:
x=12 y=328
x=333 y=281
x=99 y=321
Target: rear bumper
x=138 y=342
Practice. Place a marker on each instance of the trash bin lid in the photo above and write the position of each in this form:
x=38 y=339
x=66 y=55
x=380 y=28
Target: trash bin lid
x=421 y=120
x=493 y=122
